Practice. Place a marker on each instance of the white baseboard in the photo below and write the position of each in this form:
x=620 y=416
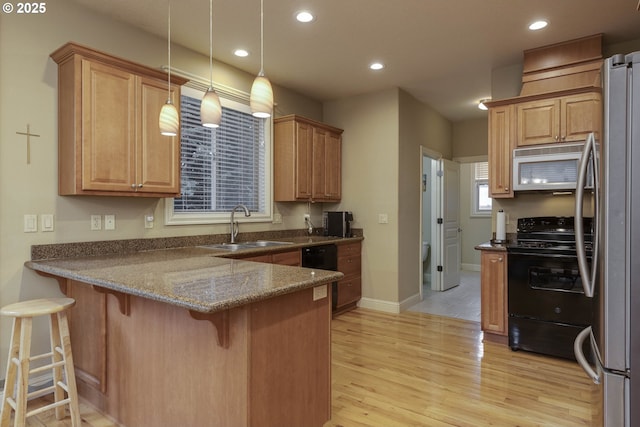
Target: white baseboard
x=409 y=302
x=379 y=305
x=470 y=267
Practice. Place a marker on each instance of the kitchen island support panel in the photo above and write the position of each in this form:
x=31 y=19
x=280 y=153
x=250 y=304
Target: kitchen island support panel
x=164 y=367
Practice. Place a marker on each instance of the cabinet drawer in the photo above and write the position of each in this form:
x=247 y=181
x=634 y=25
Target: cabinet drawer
x=287 y=258
x=257 y=258
x=350 y=249
x=349 y=266
x=349 y=290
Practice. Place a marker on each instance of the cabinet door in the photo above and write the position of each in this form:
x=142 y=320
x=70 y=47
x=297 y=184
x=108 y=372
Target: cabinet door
x=581 y=114
x=319 y=171
x=538 y=122
x=333 y=166
x=303 y=160
x=500 y=148
x=287 y=258
x=493 y=278
x=108 y=128
x=157 y=156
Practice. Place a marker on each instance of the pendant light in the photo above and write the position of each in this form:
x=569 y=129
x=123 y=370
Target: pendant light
x=261 y=99
x=169 y=120
x=210 y=108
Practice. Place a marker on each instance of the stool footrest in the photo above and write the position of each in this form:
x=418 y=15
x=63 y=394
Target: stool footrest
x=49 y=406
x=41 y=356
x=47 y=367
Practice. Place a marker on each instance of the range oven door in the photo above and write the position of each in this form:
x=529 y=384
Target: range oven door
x=547 y=305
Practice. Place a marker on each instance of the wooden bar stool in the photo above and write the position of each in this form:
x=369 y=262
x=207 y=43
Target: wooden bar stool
x=16 y=384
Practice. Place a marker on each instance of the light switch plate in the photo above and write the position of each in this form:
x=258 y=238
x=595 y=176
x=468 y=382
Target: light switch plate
x=46 y=222
x=30 y=223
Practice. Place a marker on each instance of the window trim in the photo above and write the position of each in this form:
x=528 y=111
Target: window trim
x=239 y=101
x=476 y=212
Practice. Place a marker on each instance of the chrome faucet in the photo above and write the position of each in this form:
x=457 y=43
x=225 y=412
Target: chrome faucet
x=233 y=226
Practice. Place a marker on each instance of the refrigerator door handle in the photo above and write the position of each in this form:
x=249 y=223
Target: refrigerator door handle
x=596 y=374
x=588 y=155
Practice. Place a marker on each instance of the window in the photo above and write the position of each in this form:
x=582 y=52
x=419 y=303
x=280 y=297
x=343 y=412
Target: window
x=221 y=167
x=481 y=204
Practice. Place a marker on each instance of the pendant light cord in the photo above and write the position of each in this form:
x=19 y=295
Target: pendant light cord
x=169 y=55
x=211 y=44
x=261 y=38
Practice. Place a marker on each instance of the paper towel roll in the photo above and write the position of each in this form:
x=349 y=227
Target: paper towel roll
x=501 y=234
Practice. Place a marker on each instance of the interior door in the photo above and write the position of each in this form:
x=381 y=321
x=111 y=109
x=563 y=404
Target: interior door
x=450 y=214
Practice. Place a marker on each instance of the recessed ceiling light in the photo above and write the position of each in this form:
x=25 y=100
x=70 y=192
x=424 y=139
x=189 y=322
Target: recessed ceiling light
x=481 y=104
x=376 y=66
x=241 y=53
x=538 y=25
x=304 y=16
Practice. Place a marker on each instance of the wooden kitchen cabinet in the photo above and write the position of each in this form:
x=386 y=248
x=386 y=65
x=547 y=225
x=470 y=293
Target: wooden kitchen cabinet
x=349 y=288
x=493 y=290
x=501 y=135
x=560 y=119
x=109 y=142
x=307 y=160
x=292 y=258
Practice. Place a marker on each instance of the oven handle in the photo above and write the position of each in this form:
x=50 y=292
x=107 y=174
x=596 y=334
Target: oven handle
x=589 y=154
x=582 y=361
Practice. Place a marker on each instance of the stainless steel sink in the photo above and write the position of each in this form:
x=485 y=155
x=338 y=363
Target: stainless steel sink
x=245 y=245
x=265 y=243
x=228 y=246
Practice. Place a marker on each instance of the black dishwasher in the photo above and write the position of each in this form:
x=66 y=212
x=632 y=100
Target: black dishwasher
x=323 y=257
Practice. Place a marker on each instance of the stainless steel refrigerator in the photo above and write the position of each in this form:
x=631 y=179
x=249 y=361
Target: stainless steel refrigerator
x=612 y=276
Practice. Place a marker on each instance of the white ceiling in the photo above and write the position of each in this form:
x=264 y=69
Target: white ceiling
x=440 y=51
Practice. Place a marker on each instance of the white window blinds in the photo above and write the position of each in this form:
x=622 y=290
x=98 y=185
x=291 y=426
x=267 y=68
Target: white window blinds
x=221 y=167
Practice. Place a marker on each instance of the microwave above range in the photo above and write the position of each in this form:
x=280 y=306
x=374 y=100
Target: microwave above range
x=548 y=167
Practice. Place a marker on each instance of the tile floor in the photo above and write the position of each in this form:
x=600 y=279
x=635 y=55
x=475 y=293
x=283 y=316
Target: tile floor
x=462 y=302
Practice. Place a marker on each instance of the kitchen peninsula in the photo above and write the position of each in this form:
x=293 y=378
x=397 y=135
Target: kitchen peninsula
x=185 y=336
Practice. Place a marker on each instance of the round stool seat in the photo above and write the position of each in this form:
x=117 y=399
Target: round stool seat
x=37 y=307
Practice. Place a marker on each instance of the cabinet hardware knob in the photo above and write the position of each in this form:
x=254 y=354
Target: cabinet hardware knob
x=506 y=188
x=500 y=259
x=139 y=185
x=133 y=186
x=557 y=138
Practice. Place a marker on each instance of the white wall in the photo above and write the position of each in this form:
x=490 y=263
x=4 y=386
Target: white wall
x=28 y=84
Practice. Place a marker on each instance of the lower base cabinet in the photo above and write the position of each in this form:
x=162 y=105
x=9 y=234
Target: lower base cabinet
x=348 y=291
x=493 y=289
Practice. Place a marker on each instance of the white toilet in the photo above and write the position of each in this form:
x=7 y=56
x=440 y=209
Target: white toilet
x=425 y=250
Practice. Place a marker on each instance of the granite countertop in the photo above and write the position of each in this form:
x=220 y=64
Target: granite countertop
x=489 y=246
x=194 y=278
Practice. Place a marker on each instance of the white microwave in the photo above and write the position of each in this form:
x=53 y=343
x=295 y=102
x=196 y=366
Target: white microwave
x=548 y=167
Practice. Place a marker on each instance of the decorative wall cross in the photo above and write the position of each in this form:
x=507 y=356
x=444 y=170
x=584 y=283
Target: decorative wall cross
x=29 y=135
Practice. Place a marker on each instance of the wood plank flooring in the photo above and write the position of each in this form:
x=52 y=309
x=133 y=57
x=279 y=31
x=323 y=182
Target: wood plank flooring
x=416 y=369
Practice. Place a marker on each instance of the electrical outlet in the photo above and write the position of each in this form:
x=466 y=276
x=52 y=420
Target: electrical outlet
x=148 y=221
x=96 y=222
x=109 y=222
x=319 y=292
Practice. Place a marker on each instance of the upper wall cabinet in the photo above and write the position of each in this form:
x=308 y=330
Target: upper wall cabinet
x=307 y=160
x=563 y=119
x=501 y=130
x=109 y=141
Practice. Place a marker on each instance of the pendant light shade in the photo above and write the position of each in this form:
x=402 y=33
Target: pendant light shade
x=261 y=99
x=210 y=108
x=169 y=119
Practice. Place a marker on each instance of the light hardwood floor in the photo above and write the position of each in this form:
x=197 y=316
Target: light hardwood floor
x=417 y=369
